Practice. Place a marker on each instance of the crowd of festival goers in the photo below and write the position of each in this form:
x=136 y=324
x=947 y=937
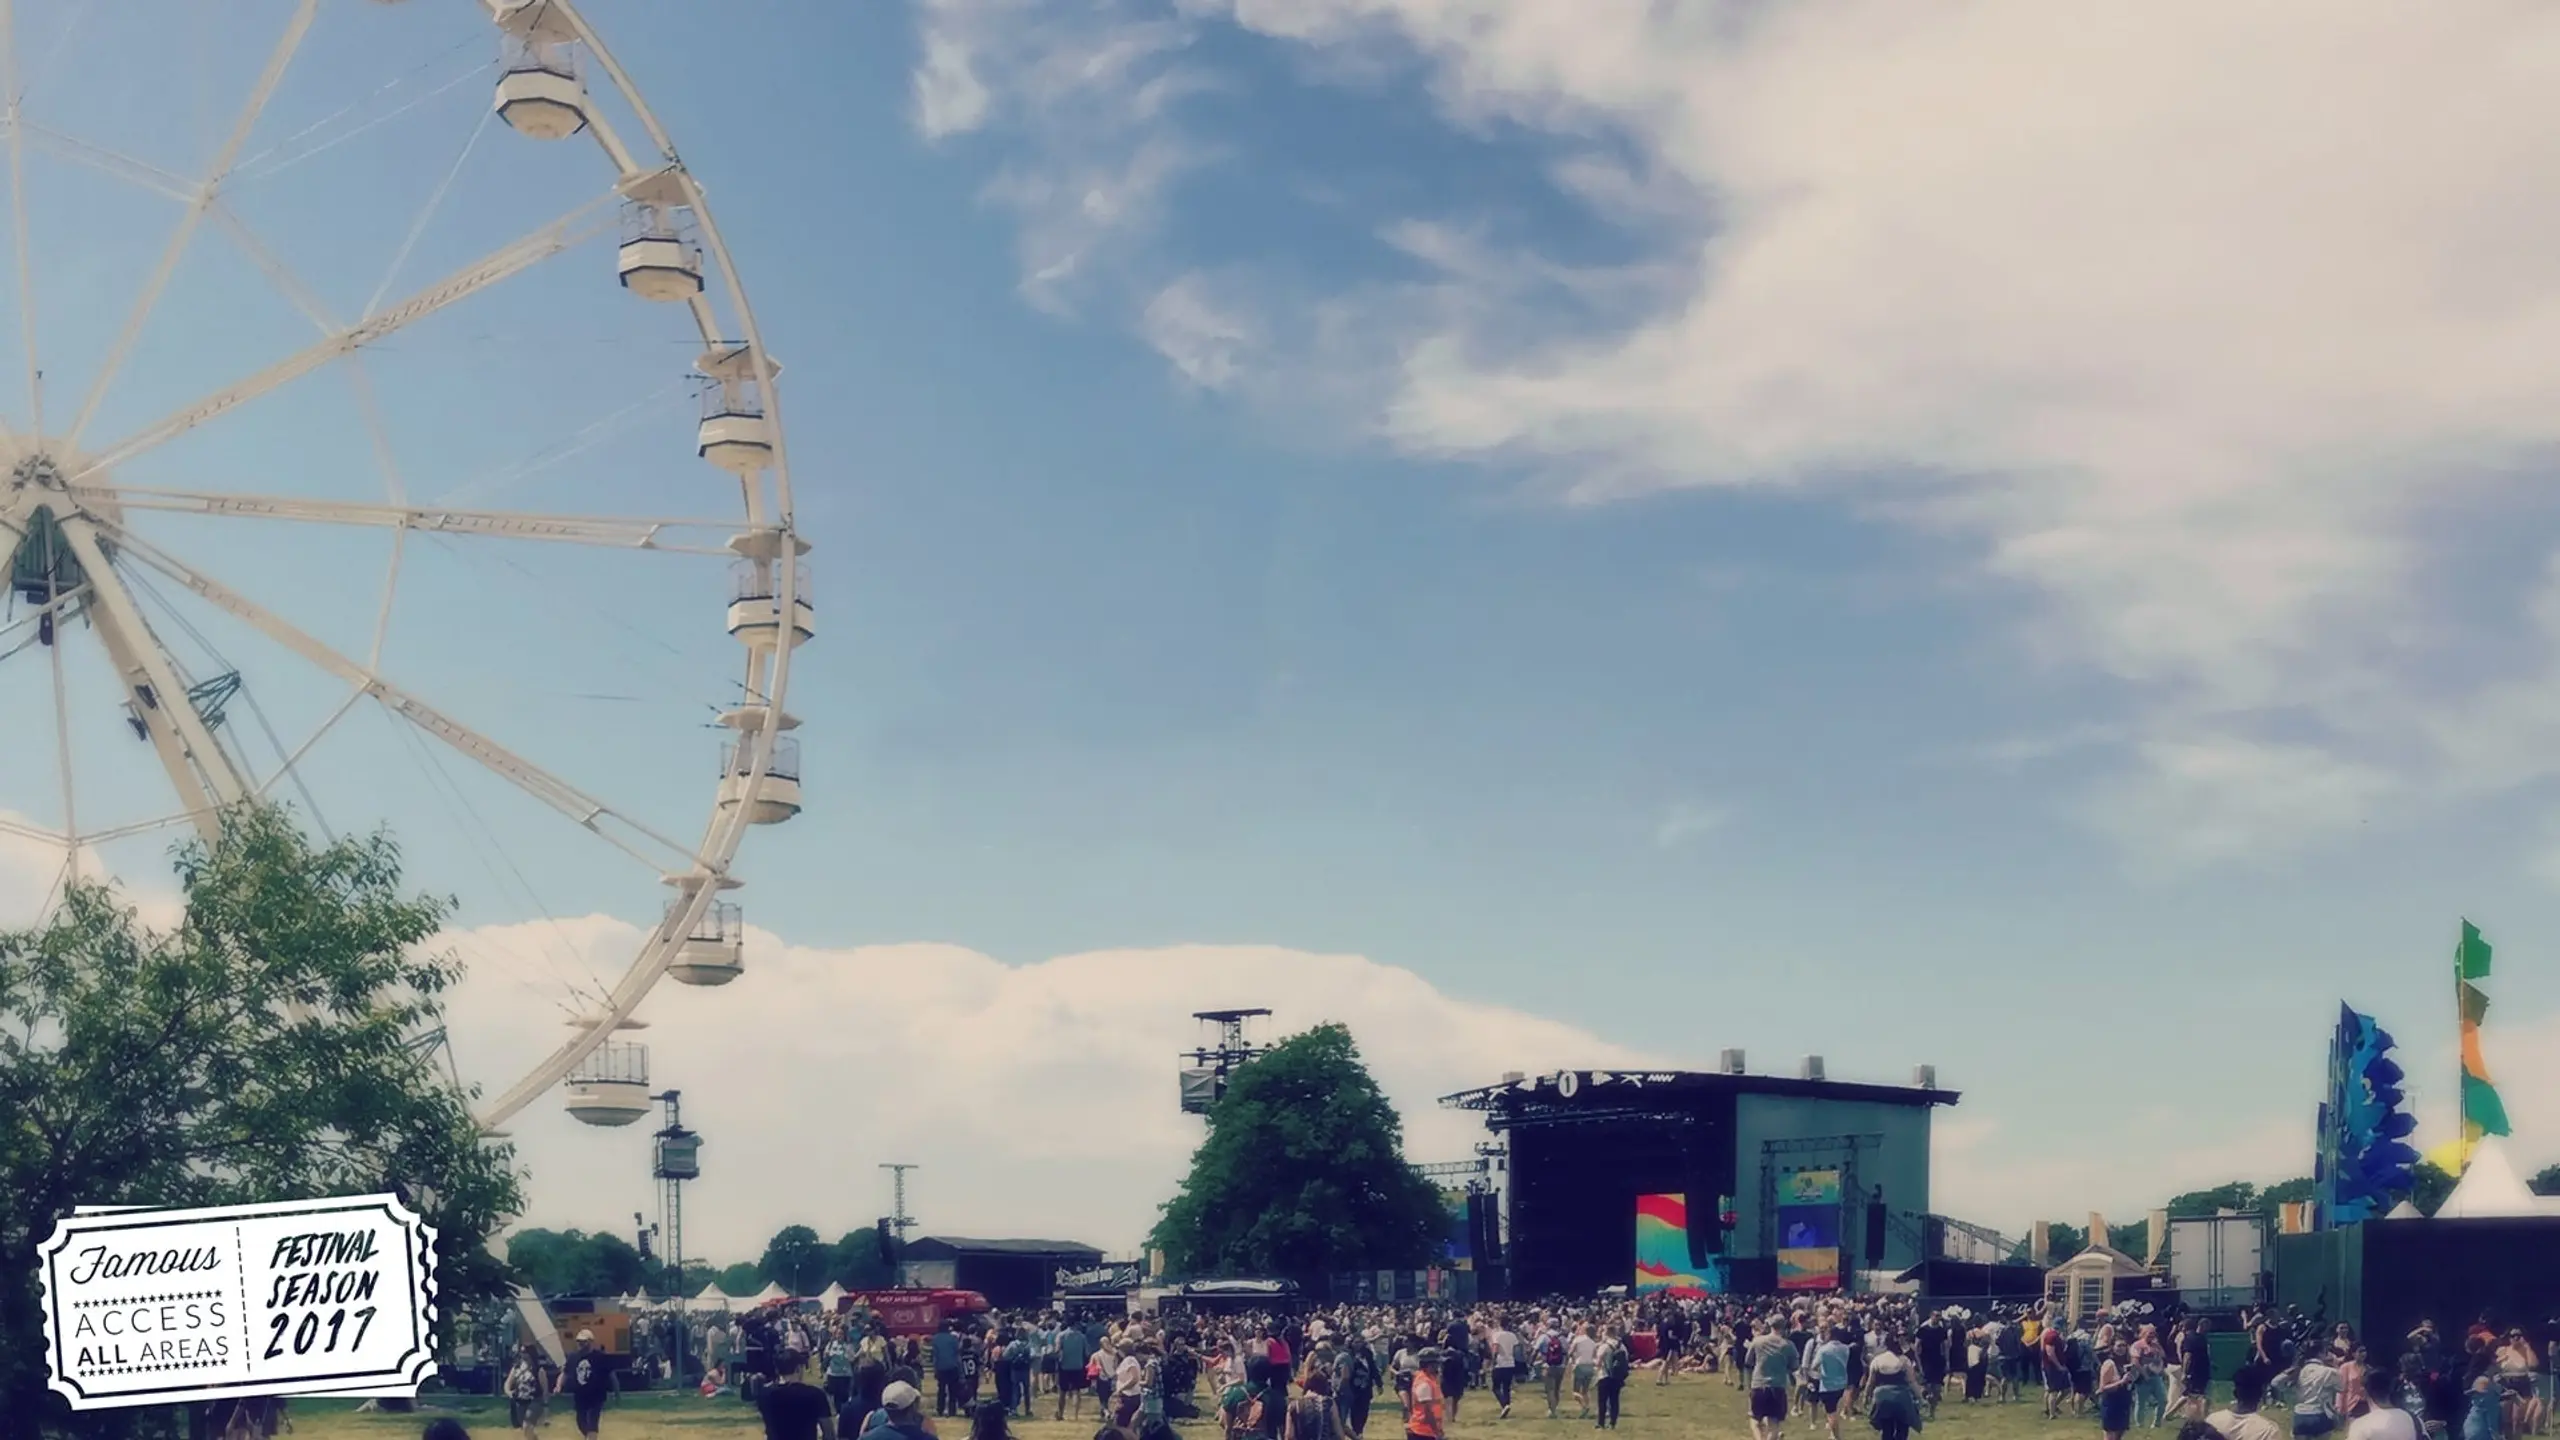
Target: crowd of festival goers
x=1342 y=1373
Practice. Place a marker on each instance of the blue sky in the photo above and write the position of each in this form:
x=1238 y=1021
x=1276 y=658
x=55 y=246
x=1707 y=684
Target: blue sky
x=1562 y=508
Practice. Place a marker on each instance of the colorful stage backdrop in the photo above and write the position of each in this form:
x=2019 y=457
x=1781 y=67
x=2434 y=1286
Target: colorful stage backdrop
x=1458 y=1252
x=1809 y=1230
x=1662 y=1251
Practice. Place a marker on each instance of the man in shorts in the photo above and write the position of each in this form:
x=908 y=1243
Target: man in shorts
x=1771 y=1363
x=1831 y=1377
x=2054 y=1351
x=1072 y=1355
x=588 y=1382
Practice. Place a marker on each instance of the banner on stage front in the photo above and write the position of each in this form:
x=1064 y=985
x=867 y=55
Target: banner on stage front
x=1809 y=1269
x=1663 y=1266
x=1810 y=1187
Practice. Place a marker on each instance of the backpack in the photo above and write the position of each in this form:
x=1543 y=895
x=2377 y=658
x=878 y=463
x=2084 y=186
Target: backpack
x=1614 y=1361
x=1551 y=1349
x=1364 y=1369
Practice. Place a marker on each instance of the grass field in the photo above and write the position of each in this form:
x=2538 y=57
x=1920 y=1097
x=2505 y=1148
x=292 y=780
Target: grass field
x=1691 y=1406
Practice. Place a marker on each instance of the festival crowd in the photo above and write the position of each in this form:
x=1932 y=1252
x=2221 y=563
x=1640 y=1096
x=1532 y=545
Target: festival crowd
x=1339 y=1373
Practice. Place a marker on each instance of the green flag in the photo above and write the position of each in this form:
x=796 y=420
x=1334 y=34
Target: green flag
x=2471 y=958
x=2482 y=1110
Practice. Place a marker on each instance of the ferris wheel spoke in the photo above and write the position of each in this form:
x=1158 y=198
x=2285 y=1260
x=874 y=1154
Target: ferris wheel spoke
x=594 y=815
x=617 y=532
x=156 y=689
x=202 y=200
x=36 y=833
x=289 y=285
x=584 y=223
x=115 y=163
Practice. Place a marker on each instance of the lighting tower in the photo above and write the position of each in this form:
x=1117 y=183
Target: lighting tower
x=675 y=1158
x=899 y=1220
x=1205 y=1078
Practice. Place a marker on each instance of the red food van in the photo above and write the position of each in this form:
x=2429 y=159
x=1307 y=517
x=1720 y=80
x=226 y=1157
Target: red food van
x=916 y=1312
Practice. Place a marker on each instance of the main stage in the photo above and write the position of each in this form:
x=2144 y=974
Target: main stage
x=1803 y=1168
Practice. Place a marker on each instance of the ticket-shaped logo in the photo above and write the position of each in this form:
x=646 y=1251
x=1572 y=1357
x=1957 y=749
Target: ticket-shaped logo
x=302 y=1297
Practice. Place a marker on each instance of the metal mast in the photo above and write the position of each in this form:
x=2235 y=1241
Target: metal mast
x=676 y=1158
x=899 y=1220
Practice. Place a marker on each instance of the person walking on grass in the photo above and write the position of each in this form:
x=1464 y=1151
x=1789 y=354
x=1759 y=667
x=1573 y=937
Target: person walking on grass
x=1427 y=1418
x=588 y=1383
x=1616 y=1362
x=1772 y=1365
x=1830 y=1367
x=2115 y=1387
x=791 y=1407
x=1893 y=1406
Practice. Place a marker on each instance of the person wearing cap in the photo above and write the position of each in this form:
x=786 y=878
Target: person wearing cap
x=1427 y=1418
x=793 y=1408
x=588 y=1381
x=900 y=1416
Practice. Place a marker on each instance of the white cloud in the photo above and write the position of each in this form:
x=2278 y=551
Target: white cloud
x=1037 y=1097
x=2191 y=322
x=1093 y=89
x=948 y=97
x=1684 y=822
x=1209 y=344
x=1989 y=1173
x=2211 y=799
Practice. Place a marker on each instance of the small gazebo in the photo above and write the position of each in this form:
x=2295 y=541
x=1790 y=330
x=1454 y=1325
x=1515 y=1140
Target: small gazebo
x=2084 y=1286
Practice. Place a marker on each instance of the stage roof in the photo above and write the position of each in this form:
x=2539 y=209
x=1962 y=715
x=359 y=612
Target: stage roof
x=1573 y=1090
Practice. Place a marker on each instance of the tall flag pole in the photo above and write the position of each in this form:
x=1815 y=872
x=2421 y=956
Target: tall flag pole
x=2478 y=1110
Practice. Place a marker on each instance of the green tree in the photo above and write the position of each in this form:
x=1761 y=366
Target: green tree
x=2546 y=1181
x=179 y=1068
x=571 y=1262
x=2431 y=1186
x=744 y=1278
x=854 y=1262
x=796 y=1259
x=1303 y=1172
x=2286 y=1192
x=2236 y=1195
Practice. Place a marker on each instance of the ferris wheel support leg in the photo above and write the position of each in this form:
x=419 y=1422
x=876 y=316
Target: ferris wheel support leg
x=199 y=769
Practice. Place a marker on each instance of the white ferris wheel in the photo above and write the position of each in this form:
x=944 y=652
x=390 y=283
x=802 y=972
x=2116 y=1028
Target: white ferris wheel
x=219 y=557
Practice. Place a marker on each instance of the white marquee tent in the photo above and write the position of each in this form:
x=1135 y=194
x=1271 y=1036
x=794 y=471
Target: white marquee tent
x=2490 y=1189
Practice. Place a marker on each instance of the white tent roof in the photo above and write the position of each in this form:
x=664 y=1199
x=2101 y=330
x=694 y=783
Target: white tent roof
x=711 y=1298
x=2491 y=1189
x=833 y=1293
x=772 y=1291
x=2405 y=1211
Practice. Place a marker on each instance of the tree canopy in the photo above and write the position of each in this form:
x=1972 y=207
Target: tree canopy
x=1303 y=1172
x=269 y=1046
x=854 y=1261
x=2434 y=1185
x=2546 y=1181
x=572 y=1262
x=796 y=1259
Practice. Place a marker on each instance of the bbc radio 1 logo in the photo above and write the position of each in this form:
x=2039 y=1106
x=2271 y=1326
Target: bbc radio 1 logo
x=309 y=1297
